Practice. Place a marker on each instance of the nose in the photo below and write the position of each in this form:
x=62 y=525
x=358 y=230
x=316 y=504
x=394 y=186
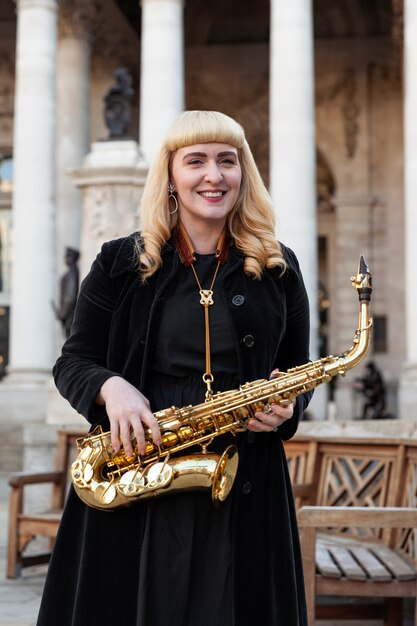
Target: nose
x=213 y=172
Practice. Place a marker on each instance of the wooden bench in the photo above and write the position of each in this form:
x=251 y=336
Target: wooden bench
x=357 y=515
x=24 y=526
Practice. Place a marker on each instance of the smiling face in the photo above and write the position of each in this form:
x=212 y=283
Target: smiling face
x=207 y=179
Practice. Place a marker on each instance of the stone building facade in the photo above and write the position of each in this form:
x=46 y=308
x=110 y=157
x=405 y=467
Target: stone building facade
x=325 y=92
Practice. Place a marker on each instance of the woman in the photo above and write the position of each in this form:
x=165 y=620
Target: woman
x=139 y=344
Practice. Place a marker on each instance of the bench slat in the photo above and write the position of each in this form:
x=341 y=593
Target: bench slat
x=372 y=566
x=325 y=564
x=395 y=563
x=349 y=567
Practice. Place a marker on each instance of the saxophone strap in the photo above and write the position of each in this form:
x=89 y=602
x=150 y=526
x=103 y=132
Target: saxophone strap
x=188 y=258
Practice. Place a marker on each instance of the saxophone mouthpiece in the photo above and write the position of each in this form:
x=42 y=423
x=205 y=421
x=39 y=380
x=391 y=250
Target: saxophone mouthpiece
x=363 y=280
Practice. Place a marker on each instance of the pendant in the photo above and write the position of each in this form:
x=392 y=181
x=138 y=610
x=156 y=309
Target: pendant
x=206 y=297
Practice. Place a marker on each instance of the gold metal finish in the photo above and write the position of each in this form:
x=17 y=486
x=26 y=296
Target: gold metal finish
x=104 y=479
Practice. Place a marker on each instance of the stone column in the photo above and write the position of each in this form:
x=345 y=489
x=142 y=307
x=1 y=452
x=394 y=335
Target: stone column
x=292 y=138
x=408 y=382
x=162 y=70
x=32 y=318
x=76 y=21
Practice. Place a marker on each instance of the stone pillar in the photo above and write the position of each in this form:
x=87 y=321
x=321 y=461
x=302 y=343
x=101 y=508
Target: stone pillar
x=408 y=382
x=162 y=70
x=292 y=140
x=76 y=21
x=23 y=392
x=32 y=318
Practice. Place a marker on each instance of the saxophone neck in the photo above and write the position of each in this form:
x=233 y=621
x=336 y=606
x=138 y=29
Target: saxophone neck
x=362 y=282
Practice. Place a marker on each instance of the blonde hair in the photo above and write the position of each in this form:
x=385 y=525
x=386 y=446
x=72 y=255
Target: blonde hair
x=251 y=221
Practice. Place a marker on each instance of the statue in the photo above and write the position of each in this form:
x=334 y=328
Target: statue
x=68 y=290
x=117 y=104
x=372 y=387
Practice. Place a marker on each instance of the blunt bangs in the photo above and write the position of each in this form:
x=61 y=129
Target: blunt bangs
x=193 y=127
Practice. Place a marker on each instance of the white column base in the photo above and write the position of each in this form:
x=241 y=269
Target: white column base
x=408 y=392
x=23 y=397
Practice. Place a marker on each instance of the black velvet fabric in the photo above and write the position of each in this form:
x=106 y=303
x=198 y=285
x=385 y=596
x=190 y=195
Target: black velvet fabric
x=94 y=573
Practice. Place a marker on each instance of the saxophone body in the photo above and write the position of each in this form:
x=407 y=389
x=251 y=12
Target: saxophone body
x=106 y=480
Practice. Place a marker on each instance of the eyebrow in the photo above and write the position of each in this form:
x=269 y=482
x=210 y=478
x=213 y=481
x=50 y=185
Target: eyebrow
x=204 y=154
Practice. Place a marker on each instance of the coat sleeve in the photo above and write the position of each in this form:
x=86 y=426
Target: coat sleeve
x=294 y=347
x=81 y=369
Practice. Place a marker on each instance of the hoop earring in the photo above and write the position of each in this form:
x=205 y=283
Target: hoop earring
x=171 y=190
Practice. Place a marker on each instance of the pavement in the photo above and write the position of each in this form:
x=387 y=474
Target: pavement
x=20 y=598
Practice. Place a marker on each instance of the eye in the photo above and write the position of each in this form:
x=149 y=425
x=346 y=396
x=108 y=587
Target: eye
x=228 y=161
x=195 y=161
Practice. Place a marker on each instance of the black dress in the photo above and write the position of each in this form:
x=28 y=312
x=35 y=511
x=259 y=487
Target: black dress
x=186 y=568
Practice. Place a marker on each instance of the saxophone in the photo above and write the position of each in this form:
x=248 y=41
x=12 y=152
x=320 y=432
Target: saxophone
x=104 y=479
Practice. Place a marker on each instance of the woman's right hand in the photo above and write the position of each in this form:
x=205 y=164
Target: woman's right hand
x=128 y=411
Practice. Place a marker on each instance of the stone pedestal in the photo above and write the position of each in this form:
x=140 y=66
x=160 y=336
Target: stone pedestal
x=111 y=180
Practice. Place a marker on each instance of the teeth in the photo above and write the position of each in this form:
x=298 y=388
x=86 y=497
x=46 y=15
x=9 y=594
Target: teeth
x=212 y=194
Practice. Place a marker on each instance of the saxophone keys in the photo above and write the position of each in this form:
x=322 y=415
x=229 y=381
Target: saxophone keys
x=131 y=483
x=85 y=453
x=159 y=475
x=105 y=492
x=81 y=473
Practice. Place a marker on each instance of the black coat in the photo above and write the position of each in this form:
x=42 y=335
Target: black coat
x=114 y=330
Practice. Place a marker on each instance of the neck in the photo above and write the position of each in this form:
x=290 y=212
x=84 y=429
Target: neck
x=187 y=250
x=204 y=239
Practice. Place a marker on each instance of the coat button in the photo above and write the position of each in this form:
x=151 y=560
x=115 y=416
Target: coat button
x=249 y=341
x=251 y=436
x=246 y=488
x=238 y=300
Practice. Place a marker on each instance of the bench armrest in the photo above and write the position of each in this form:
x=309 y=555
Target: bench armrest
x=29 y=478
x=357 y=516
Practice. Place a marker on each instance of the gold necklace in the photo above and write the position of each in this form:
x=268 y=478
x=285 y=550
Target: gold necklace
x=206 y=299
x=188 y=258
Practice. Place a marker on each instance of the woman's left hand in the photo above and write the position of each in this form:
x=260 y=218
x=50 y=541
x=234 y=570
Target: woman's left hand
x=270 y=419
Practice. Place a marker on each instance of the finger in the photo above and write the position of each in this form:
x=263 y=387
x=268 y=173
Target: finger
x=150 y=420
x=275 y=373
x=268 y=419
x=139 y=434
x=283 y=411
x=125 y=436
x=115 y=435
x=259 y=427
